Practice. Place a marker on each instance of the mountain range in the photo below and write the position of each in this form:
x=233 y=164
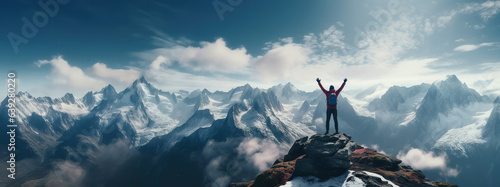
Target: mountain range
x=143 y=136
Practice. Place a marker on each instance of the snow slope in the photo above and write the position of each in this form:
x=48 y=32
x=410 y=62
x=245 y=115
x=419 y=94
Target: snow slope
x=336 y=181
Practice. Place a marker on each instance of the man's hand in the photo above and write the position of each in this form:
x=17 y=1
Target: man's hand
x=345 y=80
x=318 y=80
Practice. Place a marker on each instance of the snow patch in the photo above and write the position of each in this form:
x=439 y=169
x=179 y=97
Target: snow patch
x=236 y=97
x=463 y=138
x=381 y=177
x=71 y=109
x=335 y=181
x=410 y=117
x=217 y=108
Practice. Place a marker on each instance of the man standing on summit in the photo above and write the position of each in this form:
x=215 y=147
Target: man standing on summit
x=331 y=104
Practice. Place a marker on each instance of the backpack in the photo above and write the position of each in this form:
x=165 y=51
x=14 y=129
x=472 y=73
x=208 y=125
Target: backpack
x=332 y=99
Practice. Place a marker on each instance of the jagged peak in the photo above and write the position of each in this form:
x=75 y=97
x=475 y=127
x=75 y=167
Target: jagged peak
x=242 y=88
x=289 y=87
x=289 y=84
x=23 y=93
x=246 y=86
x=142 y=79
x=108 y=88
x=433 y=88
x=451 y=81
x=452 y=78
x=205 y=91
x=497 y=100
x=88 y=95
x=135 y=86
x=69 y=97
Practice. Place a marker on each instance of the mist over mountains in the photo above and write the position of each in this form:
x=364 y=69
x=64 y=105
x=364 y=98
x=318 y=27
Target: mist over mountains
x=143 y=136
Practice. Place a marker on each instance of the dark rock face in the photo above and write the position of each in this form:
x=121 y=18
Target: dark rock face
x=294 y=152
x=327 y=155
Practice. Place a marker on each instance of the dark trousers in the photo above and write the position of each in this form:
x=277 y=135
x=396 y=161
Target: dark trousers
x=329 y=112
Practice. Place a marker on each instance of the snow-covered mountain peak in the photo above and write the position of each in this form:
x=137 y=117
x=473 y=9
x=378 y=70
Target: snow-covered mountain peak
x=92 y=99
x=288 y=93
x=23 y=93
x=267 y=102
x=108 y=91
x=289 y=90
x=290 y=86
x=205 y=91
x=453 y=78
x=141 y=86
x=452 y=83
x=68 y=98
x=141 y=79
x=492 y=128
x=245 y=87
x=401 y=99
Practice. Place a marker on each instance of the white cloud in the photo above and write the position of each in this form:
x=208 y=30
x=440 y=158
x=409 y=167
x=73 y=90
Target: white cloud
x=381 y=56
x=471 y=47
x=65 y=78
x=479 y=26
x=450 y=172
x=65 y=174
x=428 y=27
x=118 y=75
x=173 y=80
x=486 y=11
x=282 y=61
x=377 y=148
x=262 y=152
x=157 y=63
x=378 y=59
x=420 y=159
x=214 y=57
x=445 y=19
x=68 y=77
x=373 y=43
x=387 y=45
x=318 y=121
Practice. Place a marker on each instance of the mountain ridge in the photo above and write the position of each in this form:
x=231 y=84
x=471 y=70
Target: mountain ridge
x=142 y=113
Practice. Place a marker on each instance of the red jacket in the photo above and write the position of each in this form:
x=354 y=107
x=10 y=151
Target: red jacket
x=326 y=93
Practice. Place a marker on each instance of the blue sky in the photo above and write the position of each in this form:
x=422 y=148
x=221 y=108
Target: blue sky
x=82 y=46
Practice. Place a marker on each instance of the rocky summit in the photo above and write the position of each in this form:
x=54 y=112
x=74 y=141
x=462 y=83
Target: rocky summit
x=323 y=157
x=326 y=156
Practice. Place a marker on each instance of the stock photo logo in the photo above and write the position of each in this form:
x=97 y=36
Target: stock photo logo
x=32 y=26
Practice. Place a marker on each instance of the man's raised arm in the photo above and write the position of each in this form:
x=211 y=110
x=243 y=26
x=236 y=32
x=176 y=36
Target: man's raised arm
x=341 y=87
x=321 y=86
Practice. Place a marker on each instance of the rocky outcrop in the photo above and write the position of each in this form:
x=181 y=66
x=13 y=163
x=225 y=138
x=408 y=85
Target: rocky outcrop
x=365 y=159
x=329 y=156
x=326 y=156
